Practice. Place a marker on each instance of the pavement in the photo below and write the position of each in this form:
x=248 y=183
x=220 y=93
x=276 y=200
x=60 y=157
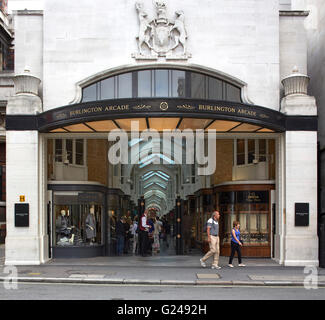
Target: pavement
x=162 y=270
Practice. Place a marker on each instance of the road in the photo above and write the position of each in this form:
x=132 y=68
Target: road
x=34 y=291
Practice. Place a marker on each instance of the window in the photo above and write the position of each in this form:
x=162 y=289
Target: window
x=249 y=151
x=70 y=151
x=58 y=150
x=240 y=152
x=162 y=83
x=80 y=152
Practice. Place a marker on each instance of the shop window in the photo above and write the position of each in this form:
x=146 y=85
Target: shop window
x=251 y=209
x=78 y=219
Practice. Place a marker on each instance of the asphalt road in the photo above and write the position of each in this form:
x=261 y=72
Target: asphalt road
x=133 y=292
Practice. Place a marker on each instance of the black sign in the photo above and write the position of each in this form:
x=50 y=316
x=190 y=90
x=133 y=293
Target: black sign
x=87 y=198
x=21 y=214
x=301 y=214
x=252 y=196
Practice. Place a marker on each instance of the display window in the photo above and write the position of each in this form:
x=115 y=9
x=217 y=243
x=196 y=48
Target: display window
x=251 y=209
x=78 y=219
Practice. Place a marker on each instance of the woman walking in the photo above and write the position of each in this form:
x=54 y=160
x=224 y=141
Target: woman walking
x=236 y=245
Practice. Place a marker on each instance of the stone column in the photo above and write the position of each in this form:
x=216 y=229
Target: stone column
x=23 y=244
x=300 y=244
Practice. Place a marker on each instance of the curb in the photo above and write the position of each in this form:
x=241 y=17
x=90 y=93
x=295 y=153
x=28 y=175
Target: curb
x=159 y=282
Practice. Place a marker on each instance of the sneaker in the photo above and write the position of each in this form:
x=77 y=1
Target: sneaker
x=241 y=265
x=203 y=264
x=230 y=265
x=215 y=267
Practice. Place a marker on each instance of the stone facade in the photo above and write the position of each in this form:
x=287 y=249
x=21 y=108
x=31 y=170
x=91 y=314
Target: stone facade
x=72 y=43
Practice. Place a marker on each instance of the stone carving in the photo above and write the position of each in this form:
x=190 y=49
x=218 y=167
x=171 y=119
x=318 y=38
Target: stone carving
x=160 y=37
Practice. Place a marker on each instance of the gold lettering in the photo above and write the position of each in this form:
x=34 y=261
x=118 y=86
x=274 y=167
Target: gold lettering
x=247 y=112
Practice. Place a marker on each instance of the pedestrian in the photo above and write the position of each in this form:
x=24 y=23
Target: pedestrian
x=156 y=234
x=150 y=222
x=126 y=235
x=143 y=234
x=135 y=235
x=236 y=244
x=120 y=236
x=213 y=239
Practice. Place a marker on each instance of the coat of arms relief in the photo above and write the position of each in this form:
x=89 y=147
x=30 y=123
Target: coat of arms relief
x=161 y=37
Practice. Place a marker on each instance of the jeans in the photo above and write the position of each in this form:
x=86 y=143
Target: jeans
x=120 y=245
x=235 y=247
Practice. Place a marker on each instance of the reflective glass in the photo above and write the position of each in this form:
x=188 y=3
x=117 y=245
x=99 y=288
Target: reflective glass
x=89 y=93
x=161 y=83
x=125 y=85
x=178 y=83
x=215 y=89
x=144 y=83
x=197 y=86
x=107 y=88
x=233 y=93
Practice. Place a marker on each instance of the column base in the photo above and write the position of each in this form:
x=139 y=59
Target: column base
x=22 y=251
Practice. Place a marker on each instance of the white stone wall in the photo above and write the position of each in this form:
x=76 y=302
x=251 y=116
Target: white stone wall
x=301 y=243
x=240 y=38
x=316 y=70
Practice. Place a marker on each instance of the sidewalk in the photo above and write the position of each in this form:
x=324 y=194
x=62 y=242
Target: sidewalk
x=162 y=270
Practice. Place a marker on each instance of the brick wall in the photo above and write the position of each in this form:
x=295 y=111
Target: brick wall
x=225 y=156
x=97 y=160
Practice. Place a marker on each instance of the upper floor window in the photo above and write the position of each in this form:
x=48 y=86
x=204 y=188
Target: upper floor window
x=70 y=151
x=165 y=83
x=249 y=151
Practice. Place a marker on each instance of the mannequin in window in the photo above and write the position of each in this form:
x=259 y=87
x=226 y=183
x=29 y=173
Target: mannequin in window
x=91 y=226
x=63 y=229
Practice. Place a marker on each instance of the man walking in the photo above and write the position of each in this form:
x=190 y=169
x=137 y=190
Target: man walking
x=213 y=239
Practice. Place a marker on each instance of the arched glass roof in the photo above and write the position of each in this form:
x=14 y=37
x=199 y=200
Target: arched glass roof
x=167 y=83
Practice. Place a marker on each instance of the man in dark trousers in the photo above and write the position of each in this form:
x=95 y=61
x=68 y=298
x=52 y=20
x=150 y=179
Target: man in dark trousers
x=120 y=236
x=143 y=234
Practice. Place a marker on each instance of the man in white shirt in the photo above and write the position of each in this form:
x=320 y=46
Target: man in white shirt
x=143 y=234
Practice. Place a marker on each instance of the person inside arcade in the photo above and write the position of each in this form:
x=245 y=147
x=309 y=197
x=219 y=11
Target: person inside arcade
x=144 y=228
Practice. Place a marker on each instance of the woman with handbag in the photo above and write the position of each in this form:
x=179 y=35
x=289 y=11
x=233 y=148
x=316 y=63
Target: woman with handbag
x=236 y=245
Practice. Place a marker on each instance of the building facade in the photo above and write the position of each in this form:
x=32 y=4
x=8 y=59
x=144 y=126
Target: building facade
x=6 y=90
x=236 y=73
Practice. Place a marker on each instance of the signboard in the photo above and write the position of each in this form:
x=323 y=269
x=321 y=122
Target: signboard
x=21 y=214
x=89 y=198
x=301 y=214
